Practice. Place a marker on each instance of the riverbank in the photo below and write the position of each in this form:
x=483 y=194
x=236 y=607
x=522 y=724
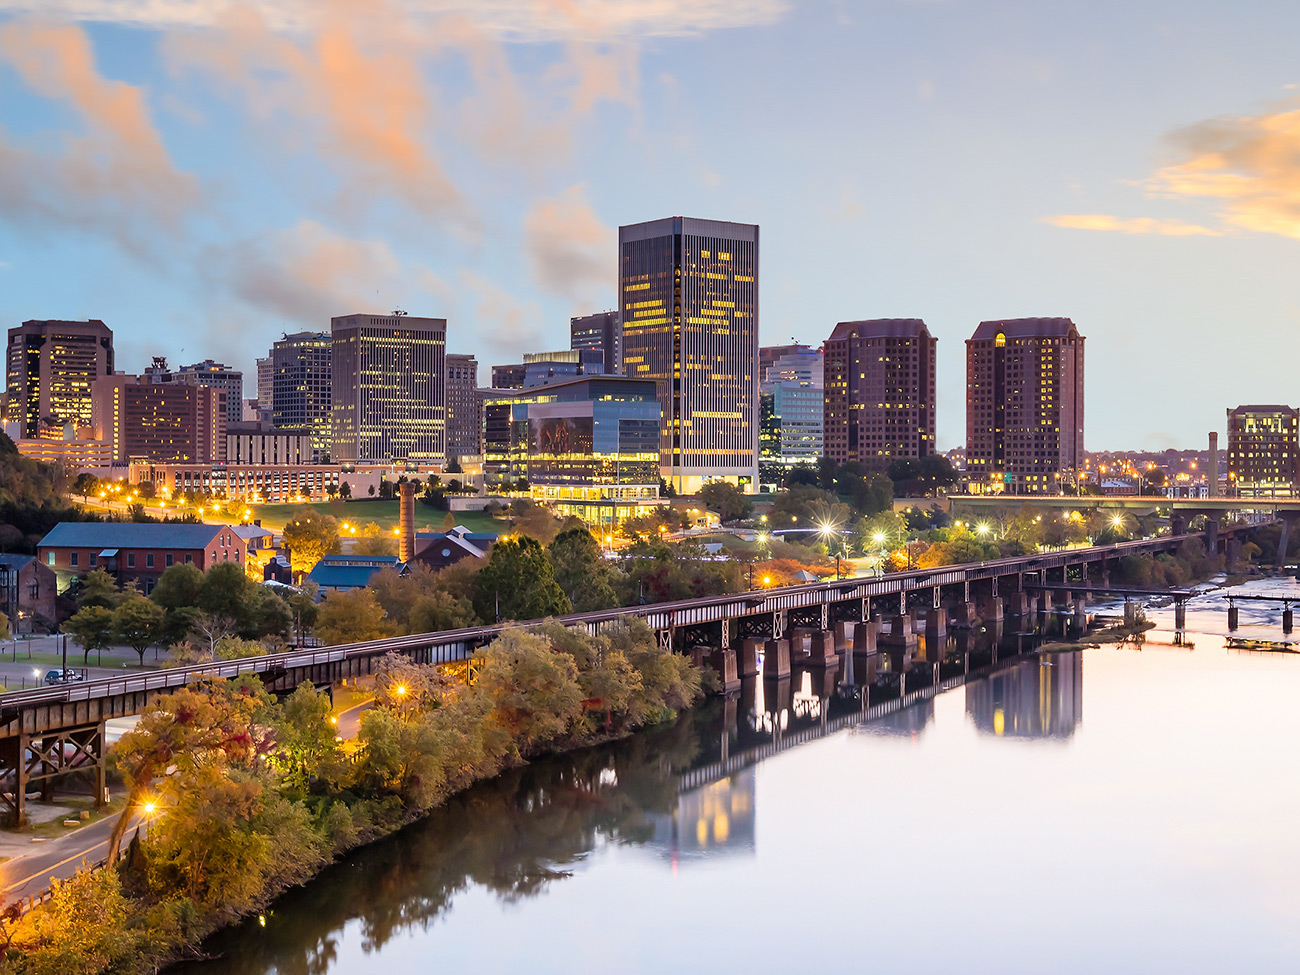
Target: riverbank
x=260 y=797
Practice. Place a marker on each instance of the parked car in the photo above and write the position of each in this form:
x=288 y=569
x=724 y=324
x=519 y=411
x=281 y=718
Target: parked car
x=60 y=676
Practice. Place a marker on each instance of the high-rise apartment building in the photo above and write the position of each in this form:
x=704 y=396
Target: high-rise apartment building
x=880 y=391
x=1263 y=451
x=688 y=301
x=1024 y=405
x=49 y=368
x=215 y=375
x=603 y=331
x=301 y=374
x=166 y=423
x=464 y=408
x=389 y=389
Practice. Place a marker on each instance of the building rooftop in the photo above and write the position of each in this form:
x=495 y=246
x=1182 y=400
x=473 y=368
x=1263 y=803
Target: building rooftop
x=15 y=562
x=1024 y=328
x=879 y=328
x=1264 y=409
x=91 y=534
x=328 y=574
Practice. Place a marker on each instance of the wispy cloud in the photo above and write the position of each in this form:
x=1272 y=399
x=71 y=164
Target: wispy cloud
x=115 y=176
x=569 y=249
x=1249 y=166
x=1133 y=225
x=513 y=19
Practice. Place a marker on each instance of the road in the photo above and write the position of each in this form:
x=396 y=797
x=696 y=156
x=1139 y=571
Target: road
x=29 y=873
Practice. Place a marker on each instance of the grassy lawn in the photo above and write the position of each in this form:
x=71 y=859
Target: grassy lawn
x=382 y=513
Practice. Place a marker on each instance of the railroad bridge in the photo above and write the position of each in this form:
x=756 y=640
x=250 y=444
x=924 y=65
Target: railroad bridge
x=48 y=733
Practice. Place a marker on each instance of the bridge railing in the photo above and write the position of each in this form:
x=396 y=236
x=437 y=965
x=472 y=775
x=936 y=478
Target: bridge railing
x=677 y=613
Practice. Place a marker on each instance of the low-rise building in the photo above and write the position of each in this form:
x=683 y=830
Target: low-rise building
x=263 y=443
x=341 y=573
x=131 y=551
x=272 y=483
x=437 y=550
x=75 y=455
x=28 y=592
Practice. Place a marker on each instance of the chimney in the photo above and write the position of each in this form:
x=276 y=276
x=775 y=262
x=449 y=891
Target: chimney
x=406 y=521
x=1212 y=474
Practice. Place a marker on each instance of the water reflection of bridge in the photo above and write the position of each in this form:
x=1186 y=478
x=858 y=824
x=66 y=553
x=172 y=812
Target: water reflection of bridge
x=769 y=716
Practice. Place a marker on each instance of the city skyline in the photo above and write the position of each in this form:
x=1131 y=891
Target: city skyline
x=214 y=213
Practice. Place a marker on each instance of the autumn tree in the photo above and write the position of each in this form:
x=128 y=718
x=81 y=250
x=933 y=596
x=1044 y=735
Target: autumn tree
x=534 y=691
x=310 y=536
x=351 y=617
x=728 y=500
x=373 y=540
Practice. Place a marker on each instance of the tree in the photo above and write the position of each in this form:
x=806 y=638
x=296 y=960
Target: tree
x=305 y=739
x=178 y=586
x=729 y=501
x=373 y=540
x=441 y=611
x=4 y=627
x=139 y=624
x=310 y=536
x=86 y=484
x=534 y=691
x=92 y=628
x=518 y=583
x=212 y=628
x=581 y=570
x=345 y=490
x=448 y=521
x=352 y=617
x=98 y=588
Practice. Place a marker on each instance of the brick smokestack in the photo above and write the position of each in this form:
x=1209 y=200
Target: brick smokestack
x=1212 y=475
x=406 y=521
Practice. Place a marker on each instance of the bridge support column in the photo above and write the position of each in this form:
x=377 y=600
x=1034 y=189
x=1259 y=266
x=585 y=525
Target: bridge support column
x=936 y=629
x=1283 y=539
x=1180 y=615
x=1020 y=604
x=992 y=611
x=1211 y=535
x=1234 y=551
x=1288 y=620
x=1177 y=523
x=776 y=659
x=1080 y=617
x=723 y=662
x=821 y=650
x=965 y=615
x=1232 y=617
x=747 y=660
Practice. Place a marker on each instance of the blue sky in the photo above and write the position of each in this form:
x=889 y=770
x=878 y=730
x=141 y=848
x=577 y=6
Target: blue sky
x=205 y=176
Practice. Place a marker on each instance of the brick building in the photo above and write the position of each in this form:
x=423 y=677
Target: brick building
x=130 y=551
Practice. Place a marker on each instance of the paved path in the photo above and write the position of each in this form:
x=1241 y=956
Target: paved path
x=29 y=873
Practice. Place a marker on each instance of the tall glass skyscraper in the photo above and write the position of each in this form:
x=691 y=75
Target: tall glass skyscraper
x=49 y=367
x=389 y=392
x=688 y=300
x=301 y=374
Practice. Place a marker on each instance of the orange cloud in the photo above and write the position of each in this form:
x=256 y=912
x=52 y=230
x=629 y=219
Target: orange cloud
x=116 y=175
x=570 y=251
x=1134 y=225
x=500 y=320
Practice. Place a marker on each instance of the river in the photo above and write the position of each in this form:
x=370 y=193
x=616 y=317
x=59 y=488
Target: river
x=1127 y=808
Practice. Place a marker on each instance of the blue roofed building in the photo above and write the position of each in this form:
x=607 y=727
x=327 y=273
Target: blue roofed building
x=342 y=573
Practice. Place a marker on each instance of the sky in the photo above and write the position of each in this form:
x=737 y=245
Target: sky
x=206 y=176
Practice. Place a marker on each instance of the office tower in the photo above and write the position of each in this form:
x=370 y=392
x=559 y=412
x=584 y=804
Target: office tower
x=166 y=423
x=1263 y=451
x=1024 y=405
x=265 y=383
x=389 y=391
x=464 y=410
x=880 y=391
x=215 y=375
x=49 y=368
x=301 y=367
x=508 y=376
x=791 y=408
x=602 y=331
x=688 y=301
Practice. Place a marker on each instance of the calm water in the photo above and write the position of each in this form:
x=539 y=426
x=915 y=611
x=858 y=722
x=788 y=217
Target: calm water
x=1120 y=809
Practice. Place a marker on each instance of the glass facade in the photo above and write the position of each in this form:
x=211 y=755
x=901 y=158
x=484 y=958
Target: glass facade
x=301 y=374
x=49 y=366
x=688 y=292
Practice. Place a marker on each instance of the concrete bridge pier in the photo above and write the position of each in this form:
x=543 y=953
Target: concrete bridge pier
x=864 y=638
x=723 y=662
x=1232 y=617
x=965 y=615
x=1283 y=539
x=901 y=634
x=800 y=640
x=1177 y=523
x=936 y=627
x=1080 y=616
x=1211 y=535
x=776 y=660
x=821 y=649
x=747 y=659
x=1020 y=604
x=992 y=611
x=1180 y=614
x=1234 y=551
x=1287 y=620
